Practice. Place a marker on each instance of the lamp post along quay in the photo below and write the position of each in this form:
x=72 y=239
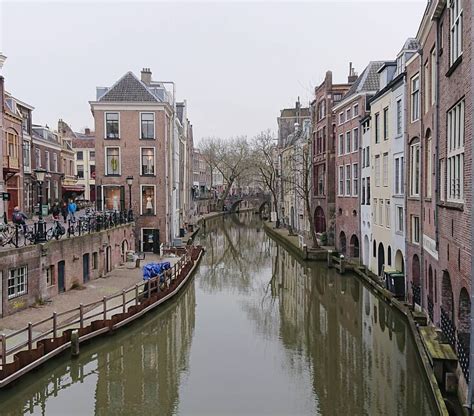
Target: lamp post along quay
x=130 y=211
x=40 y=232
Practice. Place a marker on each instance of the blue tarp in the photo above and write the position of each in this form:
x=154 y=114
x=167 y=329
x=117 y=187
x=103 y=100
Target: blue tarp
x=152 y=270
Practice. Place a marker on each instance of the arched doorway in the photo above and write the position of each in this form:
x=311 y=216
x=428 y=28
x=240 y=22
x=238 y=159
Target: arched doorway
x=415 y=279
x=464 y=314
x=342 y=243
x=399 y=264
x=354 y=246
x=319 y=220
x=374 y=252
x=447 y=301
x=381 y=259
x=389 y=256
x=366 y=250
x=124 y=250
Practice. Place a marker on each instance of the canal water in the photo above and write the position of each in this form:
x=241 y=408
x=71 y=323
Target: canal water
x=255 y=332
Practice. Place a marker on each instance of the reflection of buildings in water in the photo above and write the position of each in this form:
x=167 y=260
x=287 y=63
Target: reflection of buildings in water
x=143 y=375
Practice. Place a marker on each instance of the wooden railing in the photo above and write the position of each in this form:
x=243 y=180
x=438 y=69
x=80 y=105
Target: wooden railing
x=83 y=315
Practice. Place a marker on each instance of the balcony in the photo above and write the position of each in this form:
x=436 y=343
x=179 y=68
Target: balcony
x=11 y=164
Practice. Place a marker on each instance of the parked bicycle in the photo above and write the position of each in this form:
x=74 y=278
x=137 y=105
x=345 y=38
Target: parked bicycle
x=56 y=231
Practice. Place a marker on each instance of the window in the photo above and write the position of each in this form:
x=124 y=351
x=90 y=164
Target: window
x=362 y=198
x=341 y=180
x=348 y=142
x=80 y=155
x=385 y=123
x=26 y=155
x=341 y=118
x=56 y=190
x=433 y=76
x=415 y=98
x=17 y=282
x=112 y=166
x=415 y=169
x=399 y=177
x=46 y=158
x=367 y=156
x=348 y=180
x=456 y=33
x=80 y=171
x=114 y=198
x=387 y=213
x=377 y=127
x=455 y=154
x=92 y=171
x=355 y=138
x=348 y=114
x=381 y=212
x=50 y=276
x=400 y=219
x=112 y=125
x=355 y=179
x=442 y=189
x=147 y=125
x=92 y=155
x=341 y=144
x=426 y=86
x=356 y=110
x=321 y=179
x=148 y=160
x=428 y=168
x=368 y=190
x=147 y=200
x=95 y=260
x=415 y=229
x=375 y=211
x=55 y=162
x=399 y=117
x=385 y=169
x=377 y=170
x=321 y=109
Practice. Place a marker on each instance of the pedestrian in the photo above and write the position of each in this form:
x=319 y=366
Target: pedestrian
x=64 y=211
x=72 y=208
x=19 y=218
x=55 y=211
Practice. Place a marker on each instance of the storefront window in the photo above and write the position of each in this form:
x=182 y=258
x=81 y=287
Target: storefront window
x=112 y=198
x=148 y=200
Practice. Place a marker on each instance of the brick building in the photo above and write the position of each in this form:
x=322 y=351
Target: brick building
x=135 y=136
x=327 y=95
x=348 y=112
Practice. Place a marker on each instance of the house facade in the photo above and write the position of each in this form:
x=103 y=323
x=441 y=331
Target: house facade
x=365 y=193
x=327 y=95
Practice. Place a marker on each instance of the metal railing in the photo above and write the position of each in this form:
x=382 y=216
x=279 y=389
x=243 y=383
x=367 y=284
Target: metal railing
x=77 y=318
x=431 y=309
x=448 y=329
x=416 y=290
x=463 y=357
x=15 y=235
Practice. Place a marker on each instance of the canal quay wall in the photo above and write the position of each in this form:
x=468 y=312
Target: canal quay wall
x=71 y=328
x=60 y=265
x=291 y=244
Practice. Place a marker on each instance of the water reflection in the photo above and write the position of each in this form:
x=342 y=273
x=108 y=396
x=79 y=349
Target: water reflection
x=256 y=332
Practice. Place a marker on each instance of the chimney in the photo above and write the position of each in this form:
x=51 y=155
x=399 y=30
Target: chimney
x=146 y=76
x=87 y=131
x=352 y=74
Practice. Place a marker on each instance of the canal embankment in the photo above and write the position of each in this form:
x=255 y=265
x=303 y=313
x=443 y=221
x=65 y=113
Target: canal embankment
x=292 y=244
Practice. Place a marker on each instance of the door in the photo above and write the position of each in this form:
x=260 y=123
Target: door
x=61 y=285
x=147 y=239
x=108 y=259
x=85 y=268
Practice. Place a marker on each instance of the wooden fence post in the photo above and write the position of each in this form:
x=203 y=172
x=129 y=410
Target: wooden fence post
x=124 y=303
x=55 y=325
x=104 y=302
x=30 y=335
x=81 y=316
x=136 y=294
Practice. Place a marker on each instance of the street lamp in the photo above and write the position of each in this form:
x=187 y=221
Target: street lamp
x=129 y=183
x=40 y=236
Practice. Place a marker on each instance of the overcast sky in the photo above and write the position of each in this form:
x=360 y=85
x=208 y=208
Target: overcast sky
x=237 y=64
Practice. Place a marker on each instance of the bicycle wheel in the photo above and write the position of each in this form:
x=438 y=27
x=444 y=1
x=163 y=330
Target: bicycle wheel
x=50 y=234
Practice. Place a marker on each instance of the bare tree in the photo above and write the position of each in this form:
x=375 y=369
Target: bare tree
x=297 y=172
x=208 y=148
x=264 y=160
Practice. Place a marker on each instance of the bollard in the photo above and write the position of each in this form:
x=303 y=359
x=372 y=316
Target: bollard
x=75 y=343
x=329 y=259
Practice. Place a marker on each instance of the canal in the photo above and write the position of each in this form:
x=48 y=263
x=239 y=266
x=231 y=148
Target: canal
x=255 y=332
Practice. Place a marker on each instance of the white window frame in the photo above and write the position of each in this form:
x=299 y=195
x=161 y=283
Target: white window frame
x=154 y=124
x=348 y=113
x=381 y=212
x=455 y=30
x=386 y=123
x=399 y=110
x=55 y=162
x=455 y=153
x=442 y=188
x=354 y=112
x=348 y=136
x=47 y=161
x=377 y=170
x=23 y=274
x=341 y=118
x=415 y=231
x=341 y=181
x=341 y=144
x=387 y=213
x=415 y=182
x=400 y=220
x=355 y=179
x=429 y=167
x=385 y=168
x=375 y=210
x=433 y=76
x=106 y=161
x=141 y=197
x=415 y=98
x=348 y=184
x=105 y=125
x=355 y=146
x=141 y=157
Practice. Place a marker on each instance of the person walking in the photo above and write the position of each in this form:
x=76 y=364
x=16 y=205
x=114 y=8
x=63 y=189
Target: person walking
x=19 y=218
x=55 y=211
x=64 y=211
x=72 y=208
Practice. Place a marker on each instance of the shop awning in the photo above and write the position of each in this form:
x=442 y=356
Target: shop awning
x=73 y=188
